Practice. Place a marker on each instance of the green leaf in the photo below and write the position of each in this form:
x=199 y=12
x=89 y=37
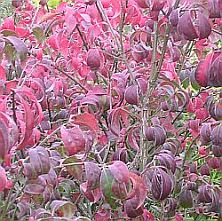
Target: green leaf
x=106 y=182
x=74 y=166
x=195 y=85
x=53 y=3
x=19 y=46
x=185 y=83
x=38 y=32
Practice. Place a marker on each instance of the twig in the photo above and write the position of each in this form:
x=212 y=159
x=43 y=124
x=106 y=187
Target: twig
x=72 y=78
x=101 y=10
x=14 y=107
x=82 y=37
x=50 y=135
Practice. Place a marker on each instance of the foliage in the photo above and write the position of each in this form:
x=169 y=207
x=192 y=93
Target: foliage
x=5 y=9
x=111 y=110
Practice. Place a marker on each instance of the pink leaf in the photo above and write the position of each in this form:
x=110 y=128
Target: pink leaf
x=2 y=73
x=73 y=139
x=119 y=171
x=3 y=179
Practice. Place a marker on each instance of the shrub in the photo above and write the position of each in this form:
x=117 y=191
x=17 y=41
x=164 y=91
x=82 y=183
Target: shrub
x=111 y=110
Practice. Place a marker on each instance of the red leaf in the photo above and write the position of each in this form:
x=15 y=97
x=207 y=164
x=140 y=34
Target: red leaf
x=118 y=119
x=92 y=195
x=29 y=123
x=103 y=215
x=8 y=23
x=138 y=192
x=48 y=16
x=201 y=73
x=86 y=119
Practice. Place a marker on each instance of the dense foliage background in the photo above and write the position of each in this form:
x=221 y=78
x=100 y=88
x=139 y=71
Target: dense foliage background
x=111 y=110
x=5 y=9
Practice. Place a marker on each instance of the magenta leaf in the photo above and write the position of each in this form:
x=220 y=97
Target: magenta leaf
x=93 y=173
x=205 y=133
x=186 y=199
x=186 y=27
x=4 y=141
x=167 y=159
x=130 y=210
x=39 y=162
x=204 y=27
x=34 y=189
x=162 y=184
x=216 y=135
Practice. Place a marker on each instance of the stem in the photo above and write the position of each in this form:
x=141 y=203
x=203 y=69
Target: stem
x=69 y=164
x=165 y=41
x=162 y=212
x=187 y=50
x=154 y=74
x=72 y=78
x=49 y=112
x=105 y=18
x=50 y=135
x=14 y=107
x=145 y=111
x=82 y=38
